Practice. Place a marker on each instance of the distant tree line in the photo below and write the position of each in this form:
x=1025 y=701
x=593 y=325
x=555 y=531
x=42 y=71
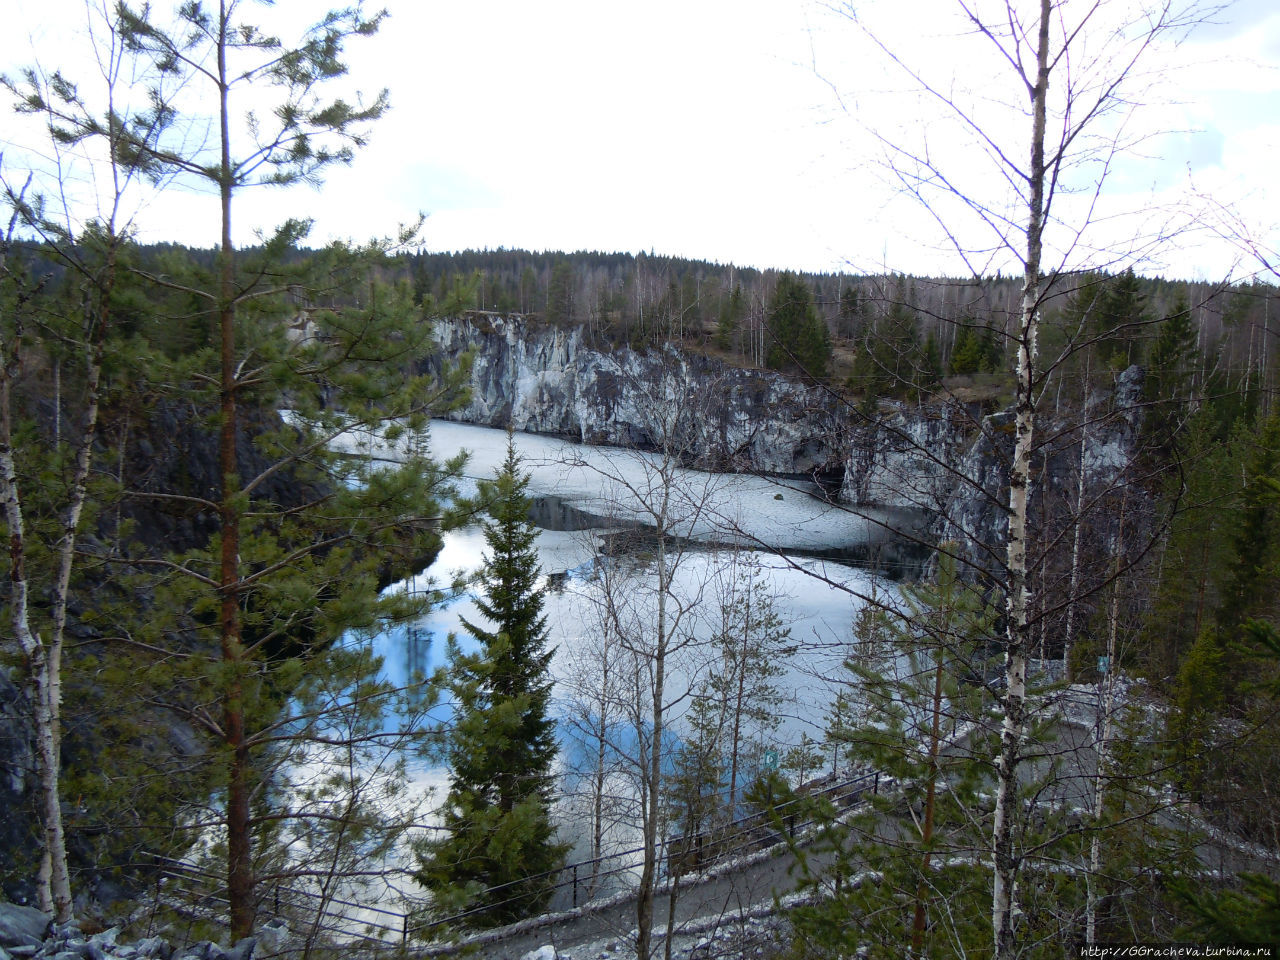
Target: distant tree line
x=880 y=336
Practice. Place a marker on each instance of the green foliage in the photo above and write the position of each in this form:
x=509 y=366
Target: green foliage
x=1166 y=389
x=906 y=693
x=1222 y=574
x=695 y=788
x=891 y=360
x=804 y=759
x=1118 y=314
x=732 y=310
x=975 y=351
x=800 y=338
x=852 y=313
x=1254 y=571
x=753 y=644
x=323 y=528
x=731 y=723
x=497 y=830
x=1250 y=914
x=966 y=358
x=560 y=294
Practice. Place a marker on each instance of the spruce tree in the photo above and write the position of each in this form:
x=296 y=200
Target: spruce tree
x=1119 y=316
x=498 y=845
x=800 y=338
x=1167 y=388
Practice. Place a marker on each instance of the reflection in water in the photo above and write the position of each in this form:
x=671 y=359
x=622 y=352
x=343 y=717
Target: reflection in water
x=820 y=614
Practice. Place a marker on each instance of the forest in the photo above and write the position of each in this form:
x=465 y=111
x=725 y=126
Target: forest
x=201 y=547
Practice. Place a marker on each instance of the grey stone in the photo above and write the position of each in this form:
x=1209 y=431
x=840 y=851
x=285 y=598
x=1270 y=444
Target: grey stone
x=273 y=935
x=548 y=380
x=88 y=949
x=107 y=938
x=243 y=950
x=21 y=926
x=205 y=950
x=154 y=948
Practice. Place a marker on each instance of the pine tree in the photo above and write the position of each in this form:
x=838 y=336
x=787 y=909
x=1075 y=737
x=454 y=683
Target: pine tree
x=48 y=476
x=695 y=791
x=498 y=849
x=906 y=673
x=753 y=644
x=275 y=588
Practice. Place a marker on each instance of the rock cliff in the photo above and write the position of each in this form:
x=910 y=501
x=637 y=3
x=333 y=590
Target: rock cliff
x=941 y=466
x=548 y=380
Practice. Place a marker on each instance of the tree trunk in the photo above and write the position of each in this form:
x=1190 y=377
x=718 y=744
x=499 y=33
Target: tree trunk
x=1014 y=701
x=649 y=870
x=736 y=739
x=53 y=886
x=45 y=660
x=1102 y=753
x=926 y=836
x=239 y=848
x=1069 y=633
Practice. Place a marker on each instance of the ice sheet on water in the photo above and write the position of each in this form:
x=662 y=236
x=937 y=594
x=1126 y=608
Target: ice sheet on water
x=817 y=599
x=612 y=482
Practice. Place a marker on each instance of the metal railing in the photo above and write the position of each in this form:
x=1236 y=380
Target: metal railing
x=343 y=921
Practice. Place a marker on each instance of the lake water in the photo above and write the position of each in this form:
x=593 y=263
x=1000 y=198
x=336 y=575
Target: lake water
x=599 y=488
x=727 y=523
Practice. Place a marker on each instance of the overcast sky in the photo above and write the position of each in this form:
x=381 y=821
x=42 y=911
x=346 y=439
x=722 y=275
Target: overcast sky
x=730 y=130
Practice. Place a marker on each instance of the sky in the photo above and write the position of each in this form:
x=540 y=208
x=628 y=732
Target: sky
x=738 y=131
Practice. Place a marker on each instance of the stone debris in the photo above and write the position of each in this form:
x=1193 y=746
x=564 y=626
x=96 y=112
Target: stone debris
x=27 y=933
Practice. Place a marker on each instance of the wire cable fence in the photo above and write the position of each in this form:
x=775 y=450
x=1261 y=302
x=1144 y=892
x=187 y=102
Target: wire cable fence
x=324 y=917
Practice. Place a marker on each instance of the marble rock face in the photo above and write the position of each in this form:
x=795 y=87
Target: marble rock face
x=548 y=380
x=942 y=464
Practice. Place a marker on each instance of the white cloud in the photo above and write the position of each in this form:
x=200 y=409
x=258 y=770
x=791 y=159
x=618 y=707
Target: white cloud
x=699 y=129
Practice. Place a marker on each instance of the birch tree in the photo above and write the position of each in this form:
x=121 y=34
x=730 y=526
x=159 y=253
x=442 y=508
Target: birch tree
x=1021 y=185
x=87 y=237
x=655 y=612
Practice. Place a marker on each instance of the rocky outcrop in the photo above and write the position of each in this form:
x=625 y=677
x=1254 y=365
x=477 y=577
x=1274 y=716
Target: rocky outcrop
x=905 y=456
x=940 y=467
x=26 y=932
x=542 y=379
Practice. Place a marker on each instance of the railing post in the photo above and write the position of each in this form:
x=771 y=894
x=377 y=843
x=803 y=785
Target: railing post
x=404 y=931
x=876 y=789
x=575 y=884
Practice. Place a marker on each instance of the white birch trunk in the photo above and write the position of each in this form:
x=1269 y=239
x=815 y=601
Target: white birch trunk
x=1073 y=592
x=1014 y=703
x=53 y=880
x=1102 y=752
